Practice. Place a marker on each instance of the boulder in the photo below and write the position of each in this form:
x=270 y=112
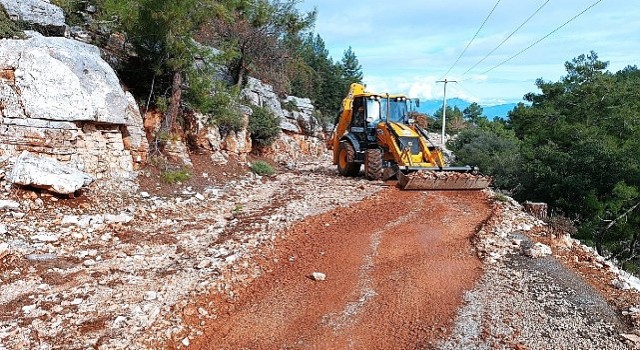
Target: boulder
x=261 y=94
x=40 y=14
x=60 y=98
x=293 y=147
x=63 y=80
x=297 y=116
x=47 y=173
x=538 y=250
x=7 y=204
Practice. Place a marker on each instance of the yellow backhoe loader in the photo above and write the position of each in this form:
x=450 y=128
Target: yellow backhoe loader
x=375 y=130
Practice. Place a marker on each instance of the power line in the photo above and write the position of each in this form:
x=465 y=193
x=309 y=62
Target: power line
x=544 y=37
x=471 y=93
x=508 y=37
x=472 y=39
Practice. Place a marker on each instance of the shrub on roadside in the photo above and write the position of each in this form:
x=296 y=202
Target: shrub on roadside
x=175 y=176
x=262 y=168
x=264 y=126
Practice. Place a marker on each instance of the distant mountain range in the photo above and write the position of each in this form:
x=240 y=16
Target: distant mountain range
x=501 y=111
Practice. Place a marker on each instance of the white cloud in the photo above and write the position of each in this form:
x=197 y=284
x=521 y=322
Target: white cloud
x=406 y=46
x=421 y=89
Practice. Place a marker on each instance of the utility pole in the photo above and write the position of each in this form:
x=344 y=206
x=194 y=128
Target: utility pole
x=444 y=107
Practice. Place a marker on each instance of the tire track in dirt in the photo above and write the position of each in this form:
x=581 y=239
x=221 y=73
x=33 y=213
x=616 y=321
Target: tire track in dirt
x=397 y=265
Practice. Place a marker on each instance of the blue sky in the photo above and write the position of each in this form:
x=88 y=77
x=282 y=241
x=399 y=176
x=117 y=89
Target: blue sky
x=405 y=46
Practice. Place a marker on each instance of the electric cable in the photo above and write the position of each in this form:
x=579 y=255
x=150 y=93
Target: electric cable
x=472 y=39
x=471 y=93
x=508 y=37
x=544 y=37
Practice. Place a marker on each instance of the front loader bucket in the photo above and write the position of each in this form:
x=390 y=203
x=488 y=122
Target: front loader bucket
x=434 y=180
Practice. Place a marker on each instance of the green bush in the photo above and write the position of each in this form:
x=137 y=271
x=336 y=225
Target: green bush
x=501 y=197
x=290 y=106
x=262 y=168
x=216 y=100
x=495 y=152
x=175 y=176
x=264 y=126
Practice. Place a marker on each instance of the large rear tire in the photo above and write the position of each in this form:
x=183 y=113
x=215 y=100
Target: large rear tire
x=373 y=164
x=346 y=160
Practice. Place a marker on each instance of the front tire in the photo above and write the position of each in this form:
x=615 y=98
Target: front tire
x=346 y=160
x=373 y=164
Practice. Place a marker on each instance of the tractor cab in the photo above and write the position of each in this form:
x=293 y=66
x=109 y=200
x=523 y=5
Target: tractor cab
x=369 y=110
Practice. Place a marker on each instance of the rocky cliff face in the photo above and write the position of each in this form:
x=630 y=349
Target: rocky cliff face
x=38 y=14
x=301 y=131
x=59 y=98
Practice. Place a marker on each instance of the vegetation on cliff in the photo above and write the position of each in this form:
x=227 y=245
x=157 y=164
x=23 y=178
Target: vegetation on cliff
x=576 y=147
x=8 y=28
x=267 y=39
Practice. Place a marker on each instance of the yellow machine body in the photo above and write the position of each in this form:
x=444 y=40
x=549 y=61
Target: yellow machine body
x=375 y=130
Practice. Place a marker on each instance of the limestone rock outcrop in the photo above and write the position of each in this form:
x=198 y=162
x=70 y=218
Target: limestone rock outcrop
x=222 y=147
x=296 y=116
x=47 y=173
x=302 y=132
x=42 y=15
x=59 y=98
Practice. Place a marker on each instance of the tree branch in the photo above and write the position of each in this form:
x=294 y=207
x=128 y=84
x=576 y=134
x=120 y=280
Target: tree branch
x=620 y=217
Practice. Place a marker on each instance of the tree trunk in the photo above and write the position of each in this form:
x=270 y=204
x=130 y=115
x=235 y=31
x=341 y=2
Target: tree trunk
x=171 y=117
x=241 y=73
x=632 y=246
x=598 y=243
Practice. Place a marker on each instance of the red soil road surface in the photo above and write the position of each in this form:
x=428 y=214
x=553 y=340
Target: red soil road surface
x=397 y=265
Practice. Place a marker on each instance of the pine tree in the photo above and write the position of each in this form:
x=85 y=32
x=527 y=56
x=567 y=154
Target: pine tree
x=351 y=68
x=161 y=33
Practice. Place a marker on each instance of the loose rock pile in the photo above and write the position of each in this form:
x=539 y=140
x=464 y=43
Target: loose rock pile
x=527 y=299
x=108 y=271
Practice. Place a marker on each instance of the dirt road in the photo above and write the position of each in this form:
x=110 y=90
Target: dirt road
x=396 y=268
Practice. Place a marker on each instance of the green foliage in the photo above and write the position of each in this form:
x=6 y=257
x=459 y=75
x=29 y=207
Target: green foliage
x=575 y=147
x=500 y=197
x=253 y=30
x=8 y=28
x=473 y=114
x=495 y=152
x=455 y=121
x=580 y=151
x=262 y=168
x=290 y=106
x=162 y=104
x=71 y=9
x=176 y=176
x=219 y=102
x=237 y=209
x=351 y=68
x=165 y=136
x=161 y=33
x=316 y=76
x=264 y=126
